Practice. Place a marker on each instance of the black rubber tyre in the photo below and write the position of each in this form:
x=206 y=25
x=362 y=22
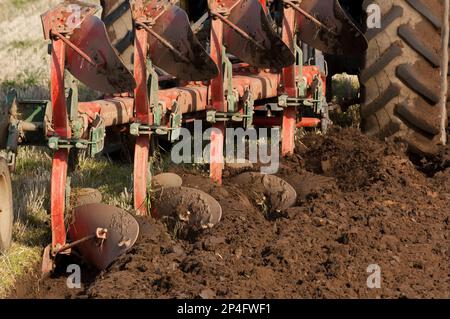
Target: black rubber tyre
x=401 y=75
x=6 y=207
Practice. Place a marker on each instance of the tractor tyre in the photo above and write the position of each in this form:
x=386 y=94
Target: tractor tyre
x=6 y=207
x=401 y=74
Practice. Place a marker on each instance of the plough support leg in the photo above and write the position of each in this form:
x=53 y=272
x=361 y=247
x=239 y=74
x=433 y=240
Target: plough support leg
x=218 y=103
x=289 y=81
x=60 y=159
x=143 y=117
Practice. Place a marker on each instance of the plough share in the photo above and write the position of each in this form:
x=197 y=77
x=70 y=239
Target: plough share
x=157 y=75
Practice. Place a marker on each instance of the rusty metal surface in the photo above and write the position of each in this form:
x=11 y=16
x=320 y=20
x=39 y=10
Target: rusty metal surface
x=61 y=128
x=110 y=75
x=345 y=37
x=149 y=10
x=122 y=232
x=114 y=111
x=289 y=85
x=66 y=16
x=119 y=25
x=191 y=98
x=187 y=60
x=250 y=17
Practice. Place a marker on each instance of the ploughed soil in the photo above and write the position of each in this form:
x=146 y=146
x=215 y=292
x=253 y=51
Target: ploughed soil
x=359 y=203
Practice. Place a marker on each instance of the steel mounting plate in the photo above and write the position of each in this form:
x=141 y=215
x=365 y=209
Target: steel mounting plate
x=122 y=227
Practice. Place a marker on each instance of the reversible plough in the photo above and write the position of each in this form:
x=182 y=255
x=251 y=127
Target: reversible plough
x=157 y=76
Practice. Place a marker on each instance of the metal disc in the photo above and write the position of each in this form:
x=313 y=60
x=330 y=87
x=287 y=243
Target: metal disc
x=110 y=75
x=123 y=231
x=173 y=25
x=189 y=205
x=345 y=38
x=6 y=207
x=249 y=15
x=280 y=193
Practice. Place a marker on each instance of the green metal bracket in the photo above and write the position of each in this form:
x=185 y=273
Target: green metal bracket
x=249 y=109
x=71 y=91
x=14 y=115
x=13 y=137
x=175 y=125
x=173 y=130
x=94 y=145
x=152 y=91
x=11 y=98
x=5 y=117
x=286 y=101
x=213 y=116
x=12 y=125
x=158 y=113
x=318 y=96
x=227 y=67
x=283 y=100
x=38 y=114
x=12 y=143
x=56 y=143
x=316 y=103
x=301 y=82
x=137 y=129
x=77 y=128
x=97 y=137
x=173 y=133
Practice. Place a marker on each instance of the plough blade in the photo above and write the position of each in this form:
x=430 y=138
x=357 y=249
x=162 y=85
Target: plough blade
x=338 y=34
x=122 y=231
x=118 y=20
x=267 y=50
x=109 y=75
x=174 y=47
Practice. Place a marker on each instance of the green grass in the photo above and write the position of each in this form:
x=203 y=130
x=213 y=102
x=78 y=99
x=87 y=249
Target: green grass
x=20 y=3
x=113 y=180
x=24 y=80
x=24 y=44
x=31 y=227
x=16 y=264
